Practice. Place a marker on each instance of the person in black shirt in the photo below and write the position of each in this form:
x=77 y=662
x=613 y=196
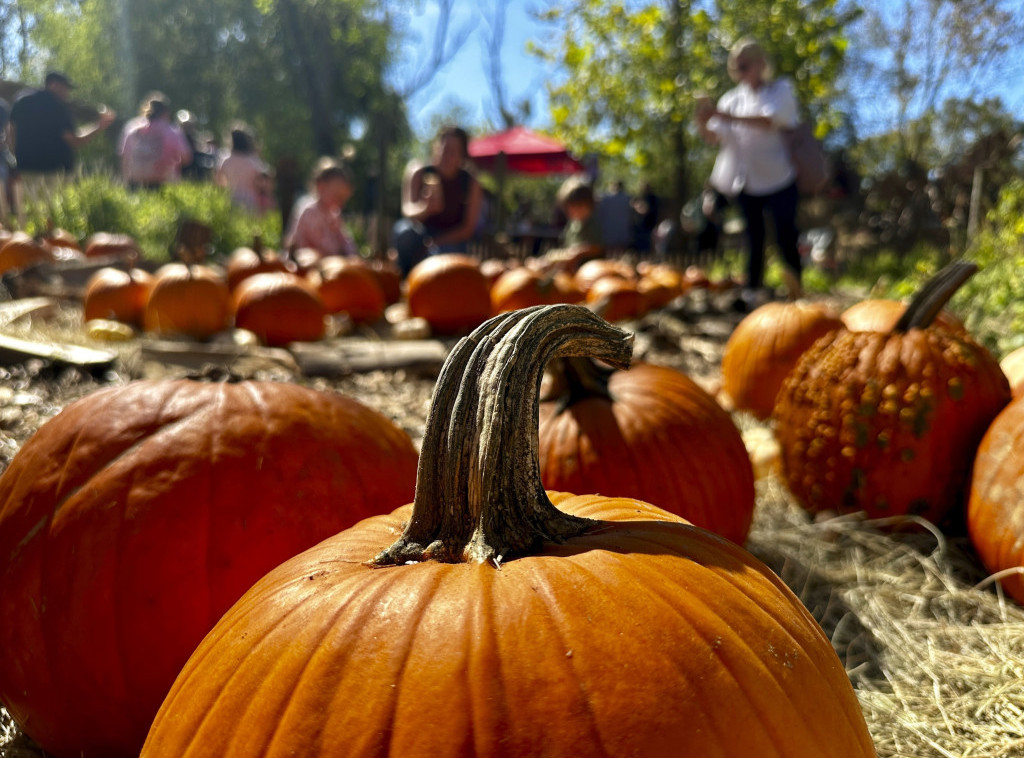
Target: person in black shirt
x=44 y=137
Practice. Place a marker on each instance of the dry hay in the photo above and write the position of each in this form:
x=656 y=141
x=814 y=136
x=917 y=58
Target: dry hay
x=934 y=650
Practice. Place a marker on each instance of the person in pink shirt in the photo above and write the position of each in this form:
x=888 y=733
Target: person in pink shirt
x=317 y=222
x=243 y=172
x=153 y=150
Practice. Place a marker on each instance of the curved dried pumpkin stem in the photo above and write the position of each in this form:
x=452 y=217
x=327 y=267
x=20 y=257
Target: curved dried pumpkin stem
x=934 y=295
x=479 y=495
x=576 y=379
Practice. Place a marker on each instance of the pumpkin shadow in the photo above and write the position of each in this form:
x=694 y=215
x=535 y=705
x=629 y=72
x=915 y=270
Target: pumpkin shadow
x=856 y=645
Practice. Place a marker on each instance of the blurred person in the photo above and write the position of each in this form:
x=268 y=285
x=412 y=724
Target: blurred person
x=614 y=209
x=316 y=221
x=441 y=202
x=582 y=236
x=204 y=157
x=753 y=166
x=153 y=149
x=244 y=173
x=44 y=136
x=646 y=213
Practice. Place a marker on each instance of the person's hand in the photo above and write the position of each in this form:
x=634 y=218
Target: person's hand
x=106 y=116
x=705 y=108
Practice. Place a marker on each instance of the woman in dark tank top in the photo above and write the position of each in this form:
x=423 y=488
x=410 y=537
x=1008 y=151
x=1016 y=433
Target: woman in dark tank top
x=440 y=203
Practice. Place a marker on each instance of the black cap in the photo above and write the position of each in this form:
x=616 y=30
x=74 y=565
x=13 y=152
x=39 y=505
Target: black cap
x=58 y=78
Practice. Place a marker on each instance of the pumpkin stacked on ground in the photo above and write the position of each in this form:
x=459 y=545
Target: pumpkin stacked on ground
x=279 y=308
x=249 y=261
x=889 y=423
x=995 y=510
x=117 y=295
x=21 y=251
x=134 y=518
x=765 y=346
x=102 y=244
x=498 y=625
x=450 y=292
x=347 y=285
x=649 y=433
x=188 y=299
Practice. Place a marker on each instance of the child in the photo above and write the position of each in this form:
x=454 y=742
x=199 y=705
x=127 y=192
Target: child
x=317 y=221
x=582 y=238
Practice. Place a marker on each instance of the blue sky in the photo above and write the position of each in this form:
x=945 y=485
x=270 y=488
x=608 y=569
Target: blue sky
x=463 y=83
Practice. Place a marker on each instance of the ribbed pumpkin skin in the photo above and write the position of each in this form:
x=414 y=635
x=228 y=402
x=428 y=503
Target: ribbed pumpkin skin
x=888 y=424
x=279 y=308
x=662 y=439
x=995 y=511
x=649 y=638
x=117 y=295
x=881 y=316
x=450 y=292
x=133 y=519
x=764 y=347
x=350 y=286
x=190 y=300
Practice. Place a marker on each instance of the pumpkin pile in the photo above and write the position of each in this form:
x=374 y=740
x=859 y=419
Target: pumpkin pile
x=498 y=624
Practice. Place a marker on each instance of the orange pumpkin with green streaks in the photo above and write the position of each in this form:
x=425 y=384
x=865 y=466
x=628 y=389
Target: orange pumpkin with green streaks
x=888 y=423
x=498 y=625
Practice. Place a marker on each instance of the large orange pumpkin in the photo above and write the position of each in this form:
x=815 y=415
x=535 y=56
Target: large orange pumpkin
x=889 y=423
x=615 y=298
x=134 y=518
x=995 y=510
x=279 y=308
x=498 y=625
x=764 y=347
x=188 y=299
x=450 y=292
x=650 y=433
x=117 y=295
x=348 y=285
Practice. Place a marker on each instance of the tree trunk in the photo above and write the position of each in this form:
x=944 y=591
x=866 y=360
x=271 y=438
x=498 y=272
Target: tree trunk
x=314 y=88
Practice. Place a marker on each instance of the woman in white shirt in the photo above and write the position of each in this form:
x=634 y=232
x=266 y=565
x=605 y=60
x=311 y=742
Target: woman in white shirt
x=753 y=165
x=243 y=172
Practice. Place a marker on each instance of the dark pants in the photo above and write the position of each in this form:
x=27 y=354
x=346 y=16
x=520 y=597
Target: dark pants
x=782 y=207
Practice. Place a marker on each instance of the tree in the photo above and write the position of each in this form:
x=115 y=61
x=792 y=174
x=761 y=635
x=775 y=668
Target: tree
x=633 y=70
x=915 y=55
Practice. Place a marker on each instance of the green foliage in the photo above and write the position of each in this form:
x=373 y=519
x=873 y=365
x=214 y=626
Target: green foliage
x=634 y=69
x=100 y=203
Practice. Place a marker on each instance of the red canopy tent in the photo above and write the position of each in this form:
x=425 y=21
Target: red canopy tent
x=525 y=152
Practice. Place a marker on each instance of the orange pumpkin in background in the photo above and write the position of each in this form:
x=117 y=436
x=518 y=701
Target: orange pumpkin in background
x=880 y=315
x=190 y=300
x=347 y=285
x=249 y=261
x=450 y=292
x=117 y=295
x=499 y=625
x=103 y=244
x=888 y=423
x=765 y=346
x=389 y=277
x=649 y=433
x=521 y=288
x=615 y=298
x=21 y=251
x=279 y=308
x=135 y=517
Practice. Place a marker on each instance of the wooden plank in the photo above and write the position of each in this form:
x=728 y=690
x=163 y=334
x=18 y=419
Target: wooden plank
x=197 y=355
x=13 y=310
x=14 y=350
x=352 y=356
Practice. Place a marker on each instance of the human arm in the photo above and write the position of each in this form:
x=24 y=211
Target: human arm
x=76 y=138
x=417 y=204
x=465 y=230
